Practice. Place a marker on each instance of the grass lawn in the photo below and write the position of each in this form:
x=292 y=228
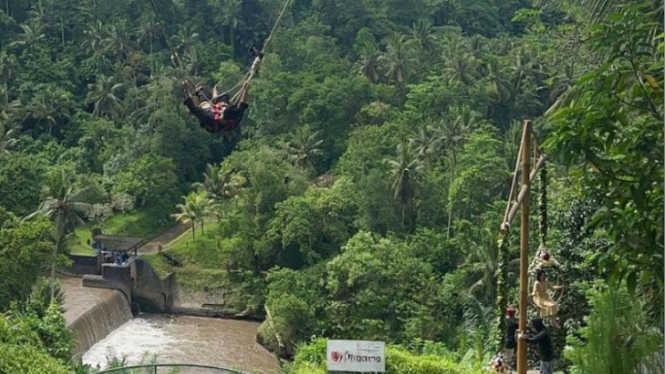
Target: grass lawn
x=204 y=260
x=140 y=223
x=207 y=250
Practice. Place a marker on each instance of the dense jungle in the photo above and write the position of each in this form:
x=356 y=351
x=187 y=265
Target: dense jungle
x=362 y=195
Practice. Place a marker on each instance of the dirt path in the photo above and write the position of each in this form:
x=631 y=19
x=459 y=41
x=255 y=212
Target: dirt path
x=163 y=239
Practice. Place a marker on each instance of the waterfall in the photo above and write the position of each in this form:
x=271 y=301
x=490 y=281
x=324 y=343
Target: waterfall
x=98 y=321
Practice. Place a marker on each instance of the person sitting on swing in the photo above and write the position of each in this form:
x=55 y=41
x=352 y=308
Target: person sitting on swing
x=218 y=114
x=548 y=307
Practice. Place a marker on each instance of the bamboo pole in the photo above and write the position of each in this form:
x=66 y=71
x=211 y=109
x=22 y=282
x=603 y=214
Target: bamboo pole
x=523 y=191
x=524 y=247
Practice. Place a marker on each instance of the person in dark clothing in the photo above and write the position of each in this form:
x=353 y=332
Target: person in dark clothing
x=511 y=335
x=217 y=115
x=542 y=337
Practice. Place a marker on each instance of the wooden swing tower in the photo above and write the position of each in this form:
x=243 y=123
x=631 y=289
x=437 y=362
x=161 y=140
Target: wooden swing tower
x=522 y=201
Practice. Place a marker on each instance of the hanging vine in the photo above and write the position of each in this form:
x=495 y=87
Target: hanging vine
x=542 y=206
x=501 y=302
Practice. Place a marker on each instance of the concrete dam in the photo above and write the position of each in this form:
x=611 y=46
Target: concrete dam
x=98 y=309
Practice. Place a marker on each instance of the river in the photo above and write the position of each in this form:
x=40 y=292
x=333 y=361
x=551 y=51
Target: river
x=186 y=340
x=103 y=326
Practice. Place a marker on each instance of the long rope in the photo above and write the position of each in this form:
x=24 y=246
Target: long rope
x=248 y=77
x=175 y=58
x=160 y=21
x=257 y=59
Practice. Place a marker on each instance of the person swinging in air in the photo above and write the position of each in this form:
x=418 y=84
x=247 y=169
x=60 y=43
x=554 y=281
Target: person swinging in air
x=219 y=115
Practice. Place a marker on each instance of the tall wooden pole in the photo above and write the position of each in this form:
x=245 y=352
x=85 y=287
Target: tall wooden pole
x=524 y=247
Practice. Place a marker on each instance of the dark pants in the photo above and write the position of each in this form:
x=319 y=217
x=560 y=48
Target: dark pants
x=231 y=120
x=233 y=115
x=206 y=117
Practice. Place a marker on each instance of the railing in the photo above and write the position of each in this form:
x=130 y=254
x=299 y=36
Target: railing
x=170 y=369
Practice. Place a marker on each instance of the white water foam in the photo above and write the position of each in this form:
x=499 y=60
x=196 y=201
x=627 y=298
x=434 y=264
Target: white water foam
x=132 y=340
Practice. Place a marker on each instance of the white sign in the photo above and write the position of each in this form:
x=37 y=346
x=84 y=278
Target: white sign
x=356 y=355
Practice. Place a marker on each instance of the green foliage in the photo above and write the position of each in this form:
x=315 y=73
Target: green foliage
x=618 y=338
x=369 y=177
x=613 y=129
x=311 y=358
x=150 y=179
x=34 y=344
x=26 y=248
x=318 y=222
x=29 y=360
x=20 y=181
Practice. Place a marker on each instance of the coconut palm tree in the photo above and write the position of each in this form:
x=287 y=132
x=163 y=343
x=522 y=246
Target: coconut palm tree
x=369 y=62
x=94 y=37
x=426 y=145
x=7 y=139
x=32 y=35
x=185 y=37
x=303 y=147
x=405 y=171
x=64 y=206
x=147 y=31
x=49 y=105
x=230 y=18
x=462 y=68
x=194 y=209
x=220 y=183
x=103 y=95
x=452 y=133
x=398 y=58
x=118 y=42
x=424 y=34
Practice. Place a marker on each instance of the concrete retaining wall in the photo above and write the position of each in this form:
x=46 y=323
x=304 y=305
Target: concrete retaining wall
x=153 y=293
x=85 y=264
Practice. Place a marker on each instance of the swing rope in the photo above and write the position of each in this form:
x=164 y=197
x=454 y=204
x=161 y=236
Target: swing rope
x=246 y=79
x=174 y=54
x=252 y=71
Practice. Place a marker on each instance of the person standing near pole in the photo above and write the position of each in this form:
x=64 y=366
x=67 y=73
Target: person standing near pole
x=511 y=332
x=542 y=337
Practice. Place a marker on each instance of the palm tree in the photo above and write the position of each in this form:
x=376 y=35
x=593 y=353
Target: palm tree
x=118 y=41
x=369 y=62
x=496 y=77
x=478 y=320
x=461 y=68
x=452 y=134
x=7 y=139
x=49 y=105
x=147 y=32
x=192 y=60
x=398 y=58
x=103 y=95
x=64 y=206
x=7 y=64
x=185 y=37
x=426 y=145
x=94 y=38
x=523 y=68
x=230 y=19
x=423 y=33
x=220 y=183
x=303 y=147
x=483 y=261
x=405 y=171
x=32 y=34
x=195 y=208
